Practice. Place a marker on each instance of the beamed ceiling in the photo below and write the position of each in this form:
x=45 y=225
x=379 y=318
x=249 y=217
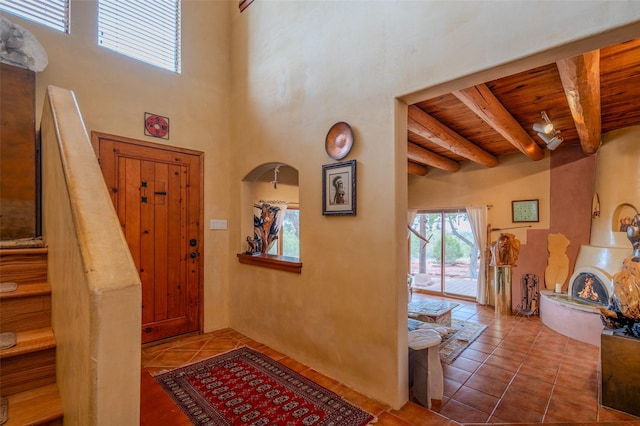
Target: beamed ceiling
x=584 y=96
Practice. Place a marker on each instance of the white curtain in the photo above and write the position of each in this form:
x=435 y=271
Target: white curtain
x=478 y=220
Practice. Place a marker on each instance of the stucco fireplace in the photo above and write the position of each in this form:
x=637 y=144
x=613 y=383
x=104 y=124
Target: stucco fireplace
x=576 y=313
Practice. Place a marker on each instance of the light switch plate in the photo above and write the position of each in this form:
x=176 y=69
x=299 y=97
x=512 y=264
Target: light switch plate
x=218 y=224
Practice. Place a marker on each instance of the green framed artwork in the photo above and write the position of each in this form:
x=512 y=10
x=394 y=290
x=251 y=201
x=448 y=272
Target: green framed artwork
x=525 y=211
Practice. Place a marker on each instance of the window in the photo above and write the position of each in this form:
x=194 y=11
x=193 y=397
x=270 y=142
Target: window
x=288 y=237
x=147 y=31
x=52 y=13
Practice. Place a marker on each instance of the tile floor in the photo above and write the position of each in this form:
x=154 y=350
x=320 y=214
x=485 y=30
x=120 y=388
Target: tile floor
x=517 y=371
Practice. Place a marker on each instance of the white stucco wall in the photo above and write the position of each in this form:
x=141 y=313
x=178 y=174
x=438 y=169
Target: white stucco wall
x=298 y=68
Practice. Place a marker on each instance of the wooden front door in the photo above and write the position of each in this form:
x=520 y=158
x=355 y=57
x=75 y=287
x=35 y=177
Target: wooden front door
x=156 y=191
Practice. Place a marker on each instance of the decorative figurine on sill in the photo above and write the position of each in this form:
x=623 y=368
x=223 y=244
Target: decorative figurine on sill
x=254 y=246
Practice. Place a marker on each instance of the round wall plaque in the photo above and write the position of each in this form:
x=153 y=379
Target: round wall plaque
x=339 y=140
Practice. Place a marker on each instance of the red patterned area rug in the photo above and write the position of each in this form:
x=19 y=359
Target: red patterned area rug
x=245 y=387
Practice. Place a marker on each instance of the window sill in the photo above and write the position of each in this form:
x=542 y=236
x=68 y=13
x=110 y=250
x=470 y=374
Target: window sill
x=281 y=263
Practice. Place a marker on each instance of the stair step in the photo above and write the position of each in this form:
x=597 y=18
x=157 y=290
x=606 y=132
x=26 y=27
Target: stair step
x=29 y=364
x=30 y=341
x=26 y=308
x=28 y=290
x=40 y=406
x=27 y=265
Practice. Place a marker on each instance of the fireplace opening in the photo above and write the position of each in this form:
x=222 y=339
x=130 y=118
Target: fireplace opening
x=589 y=288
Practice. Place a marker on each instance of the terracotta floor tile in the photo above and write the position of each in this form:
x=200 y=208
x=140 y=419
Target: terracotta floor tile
x=586 y=370
x=577 y=383
x=450 y=387
x=510 y=355
x=204 y=354
x=496 y=373
x=482 y=347
x=196 y=344
x=456 y=374
x=463 y=413
x=536 y=372
x=513 y=346
x=221 y=345
x=493 y=331
x=367 y=404
x=465 y=364
x=271 y=353
x=172 y=358
x=532 y=385
x=320 y=379
x=540 y=358
x=576 y=397
x=414 y=414
x=296 y=366
x=388 y=419
x=577 y=349
x=503 y=363
x=567 y=412
x=529 y=401
x=474 y=355
x=513 y=413
x=492 y=340
x=476 y=399
x=487 y=385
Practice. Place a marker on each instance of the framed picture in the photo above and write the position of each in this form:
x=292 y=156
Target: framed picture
x=525 y=211
x=156 y=125
x=339 y=189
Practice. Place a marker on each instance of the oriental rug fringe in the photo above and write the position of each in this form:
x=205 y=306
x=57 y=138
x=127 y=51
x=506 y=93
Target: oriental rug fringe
x=461 y=335
x=245 y=387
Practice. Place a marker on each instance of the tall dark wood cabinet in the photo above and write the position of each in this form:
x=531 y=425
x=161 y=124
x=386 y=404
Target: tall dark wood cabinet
x=17 y=153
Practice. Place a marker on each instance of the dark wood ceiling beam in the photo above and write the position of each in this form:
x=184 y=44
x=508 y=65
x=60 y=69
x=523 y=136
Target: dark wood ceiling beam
x=485 y=105
x=580 y=77
x=416 y=169
x=421 y=155
x=428 y=127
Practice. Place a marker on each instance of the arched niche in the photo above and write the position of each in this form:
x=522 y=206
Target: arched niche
x=273 y=184
x=622 y=216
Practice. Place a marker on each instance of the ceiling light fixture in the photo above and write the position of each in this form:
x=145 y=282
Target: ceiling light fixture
x=547 y=132
x=544 y=126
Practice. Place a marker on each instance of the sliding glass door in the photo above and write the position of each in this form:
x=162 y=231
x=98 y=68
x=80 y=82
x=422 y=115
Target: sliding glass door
x=443 y=255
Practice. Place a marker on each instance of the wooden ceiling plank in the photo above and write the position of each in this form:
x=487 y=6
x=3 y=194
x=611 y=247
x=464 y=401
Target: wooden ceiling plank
x=428 y=127
x=421 y=155
x=482 y=101
x=416 y=169
x=580 y=78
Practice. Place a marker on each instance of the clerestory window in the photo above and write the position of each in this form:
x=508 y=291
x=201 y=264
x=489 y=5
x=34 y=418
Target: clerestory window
x=149 y=31
x=51 y=13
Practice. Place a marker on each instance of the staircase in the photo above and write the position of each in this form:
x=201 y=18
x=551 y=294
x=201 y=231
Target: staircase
x=28 y=369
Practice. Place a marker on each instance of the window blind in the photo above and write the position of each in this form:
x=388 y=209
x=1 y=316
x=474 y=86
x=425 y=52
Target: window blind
x=145 y=30
x=52 y=13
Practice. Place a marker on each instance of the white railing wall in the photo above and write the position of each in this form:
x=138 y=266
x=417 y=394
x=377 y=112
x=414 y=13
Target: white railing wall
x=96 y=295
